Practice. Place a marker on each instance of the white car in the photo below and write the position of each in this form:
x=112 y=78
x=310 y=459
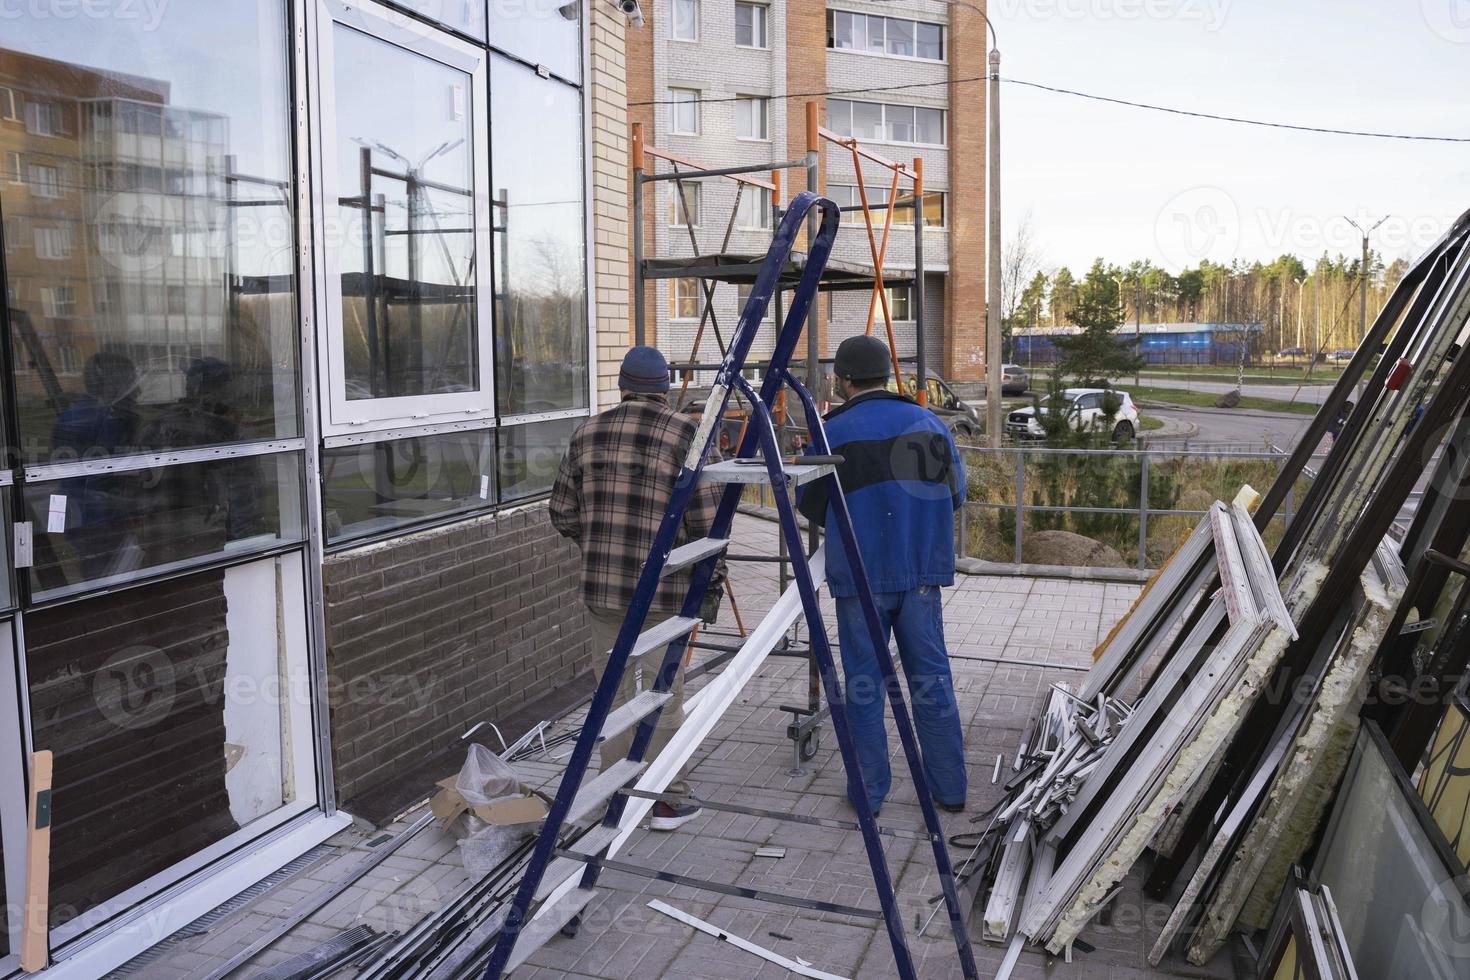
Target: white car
x=1084 y=414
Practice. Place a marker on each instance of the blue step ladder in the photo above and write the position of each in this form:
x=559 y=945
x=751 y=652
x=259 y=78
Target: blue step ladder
x=563 y=849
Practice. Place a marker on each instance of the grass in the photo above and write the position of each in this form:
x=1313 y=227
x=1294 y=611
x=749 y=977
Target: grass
x=1287 y=375
x=1206 y=399
x=1147 y=423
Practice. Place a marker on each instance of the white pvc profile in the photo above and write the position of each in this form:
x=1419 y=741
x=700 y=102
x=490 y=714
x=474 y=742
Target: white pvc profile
x=47 y=472
x=770 y=956
x=406 y=432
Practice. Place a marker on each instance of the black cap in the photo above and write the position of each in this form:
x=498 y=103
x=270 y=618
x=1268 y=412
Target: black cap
x=862 y=358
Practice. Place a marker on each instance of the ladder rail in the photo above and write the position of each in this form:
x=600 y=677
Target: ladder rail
x=901 y=717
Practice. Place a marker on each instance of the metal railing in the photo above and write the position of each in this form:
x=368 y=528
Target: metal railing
x=1017 y=461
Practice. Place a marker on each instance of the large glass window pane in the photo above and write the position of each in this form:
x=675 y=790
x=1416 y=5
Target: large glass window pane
x=867 y=121
x=839 y=116
x=875 y=33
x=686 y=20
x=542 y=32
x=845 y=30
x=530 y=455
x=750 y=25
x=541 y=265
x=376 y=487
x=174 y=711
x=683 y=111
x=929 y=127
x=901 y=37
x=900 y=123
x=405 y=181
x=754 y=210
x=155 y=155
x=930 y=41
x=105 y=528
x=465 y=16
x=684 y=205
x=750 y=117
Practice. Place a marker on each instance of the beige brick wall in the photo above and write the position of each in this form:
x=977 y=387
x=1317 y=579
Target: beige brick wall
x=611 y=229
x=964 y=334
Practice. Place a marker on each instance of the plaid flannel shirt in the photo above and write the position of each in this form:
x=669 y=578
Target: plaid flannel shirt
x=611 y=492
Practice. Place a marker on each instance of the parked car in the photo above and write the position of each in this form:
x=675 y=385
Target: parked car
x=1084 y=413
x=1343 y=354
x=1013 y=380
x=1291 y=352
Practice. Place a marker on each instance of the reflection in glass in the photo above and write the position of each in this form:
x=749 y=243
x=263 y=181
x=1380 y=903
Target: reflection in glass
x=376 y=487
x=540 y=268
x=149 y=227
x=109 y=528
x=530 y=455
x=465 y=16
x=549 y=32
x=163 y=706
x=405 y=175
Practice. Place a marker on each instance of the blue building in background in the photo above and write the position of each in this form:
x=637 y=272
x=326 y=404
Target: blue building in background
x=1160 y=343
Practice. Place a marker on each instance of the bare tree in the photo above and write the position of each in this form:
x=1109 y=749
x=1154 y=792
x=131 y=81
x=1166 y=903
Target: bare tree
x=1020 y=261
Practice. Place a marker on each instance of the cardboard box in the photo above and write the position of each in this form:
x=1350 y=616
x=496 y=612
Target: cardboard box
x=447 y=805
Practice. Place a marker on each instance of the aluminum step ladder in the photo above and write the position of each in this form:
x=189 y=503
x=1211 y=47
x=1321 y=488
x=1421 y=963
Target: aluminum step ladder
x=563 y=850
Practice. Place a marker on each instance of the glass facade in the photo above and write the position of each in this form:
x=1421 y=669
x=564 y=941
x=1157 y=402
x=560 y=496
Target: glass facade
x=180 y=221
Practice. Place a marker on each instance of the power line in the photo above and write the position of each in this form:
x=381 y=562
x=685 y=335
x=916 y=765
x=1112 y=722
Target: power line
x=1056 y=90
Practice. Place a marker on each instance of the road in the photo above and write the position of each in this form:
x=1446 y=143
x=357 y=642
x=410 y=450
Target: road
x=1314 y=394
x=1236 y=427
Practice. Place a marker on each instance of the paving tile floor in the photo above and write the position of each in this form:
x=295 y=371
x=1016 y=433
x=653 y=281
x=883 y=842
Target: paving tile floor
x=1009 y=638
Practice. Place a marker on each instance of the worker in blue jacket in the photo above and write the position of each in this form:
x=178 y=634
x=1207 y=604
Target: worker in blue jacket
x=903 y=479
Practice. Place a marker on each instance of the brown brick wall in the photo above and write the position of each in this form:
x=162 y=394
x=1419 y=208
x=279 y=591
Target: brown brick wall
x=640 y=89
x=964 y=300
x=431 y=633
x=806 y=71
x=612 y=229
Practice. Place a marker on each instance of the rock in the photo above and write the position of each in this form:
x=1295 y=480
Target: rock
x=1228 y=400
x=1066 y=548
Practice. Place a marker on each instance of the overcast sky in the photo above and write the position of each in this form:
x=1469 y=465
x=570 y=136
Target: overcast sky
x=1124 y=183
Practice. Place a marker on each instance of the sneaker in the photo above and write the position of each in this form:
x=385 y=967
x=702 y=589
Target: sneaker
x=670 y=816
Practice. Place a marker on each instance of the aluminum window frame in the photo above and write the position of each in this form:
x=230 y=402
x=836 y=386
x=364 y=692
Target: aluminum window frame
x=864 y=16
x=339 y=414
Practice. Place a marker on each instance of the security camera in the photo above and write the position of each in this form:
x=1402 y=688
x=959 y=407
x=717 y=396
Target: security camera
x=634 y=12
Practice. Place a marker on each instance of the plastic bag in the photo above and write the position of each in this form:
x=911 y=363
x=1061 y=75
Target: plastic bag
x=486 y=778
x=483 y=845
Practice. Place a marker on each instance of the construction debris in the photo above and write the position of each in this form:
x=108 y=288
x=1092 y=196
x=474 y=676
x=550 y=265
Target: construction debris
x=801 y=968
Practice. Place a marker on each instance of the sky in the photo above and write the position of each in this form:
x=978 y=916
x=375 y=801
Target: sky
x=1125 y=184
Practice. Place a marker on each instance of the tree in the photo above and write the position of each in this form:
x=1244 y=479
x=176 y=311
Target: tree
x=1020 y=265
x=1097 y=354
x=1063 y=295
x=1028 y=311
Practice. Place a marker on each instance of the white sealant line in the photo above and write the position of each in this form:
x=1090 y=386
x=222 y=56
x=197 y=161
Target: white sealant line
x=800 y=969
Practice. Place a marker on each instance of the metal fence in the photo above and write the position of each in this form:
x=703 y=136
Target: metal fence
x=1118 y=485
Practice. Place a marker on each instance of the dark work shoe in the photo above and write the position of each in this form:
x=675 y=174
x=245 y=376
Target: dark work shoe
x=951 y=807
x=670 y=816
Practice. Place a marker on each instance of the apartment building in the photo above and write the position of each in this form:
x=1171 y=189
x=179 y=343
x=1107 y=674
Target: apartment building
x=724 y=83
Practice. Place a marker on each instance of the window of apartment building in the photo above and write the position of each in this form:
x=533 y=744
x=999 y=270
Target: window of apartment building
x=933 y=211
x=45 y=181
x=47 y=119
x=58 y=301
x=901 y=302
x=684 y=212
x=750 y=25
x=53 y=242
x=11 y=171
x=686 y=299
x=847 y=195
x=911 y=125
x=742 y=297
x=754 y=210
x=7 y=103
x=686 y=20
x=684 y=111
x=898 y=37
x=752 y=117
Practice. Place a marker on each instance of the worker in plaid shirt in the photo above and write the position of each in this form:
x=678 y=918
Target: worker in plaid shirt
x=610 y=496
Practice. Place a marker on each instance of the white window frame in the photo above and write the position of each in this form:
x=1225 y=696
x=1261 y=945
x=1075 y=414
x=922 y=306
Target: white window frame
x=693 y=6
x=693 y=198
x=54 y=298
x=675 y=296
x=865 y=19
x=759 y=107
x=758 y=199
x=677 y=102
x=339 y=415
x=742 y=296
x=908 y=301
x=53 y=235
x=52 y=189
x=846 y=130
x=761 y=13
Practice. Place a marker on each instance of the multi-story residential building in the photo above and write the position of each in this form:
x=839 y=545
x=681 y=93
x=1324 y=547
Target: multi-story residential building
x=725 y=83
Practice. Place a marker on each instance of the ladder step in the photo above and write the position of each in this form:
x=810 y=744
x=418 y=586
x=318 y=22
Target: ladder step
x=538 y=931
x=662 y=635
x=735 y=471
x=595 y=841
x=693 y=553
x=593 y=795
x=630 y=714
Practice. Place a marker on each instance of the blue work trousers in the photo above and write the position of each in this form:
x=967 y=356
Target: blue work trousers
x=916 y=619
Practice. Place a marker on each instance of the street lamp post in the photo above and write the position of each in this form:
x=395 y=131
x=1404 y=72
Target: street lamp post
x=993 y=300
x=1363 y=275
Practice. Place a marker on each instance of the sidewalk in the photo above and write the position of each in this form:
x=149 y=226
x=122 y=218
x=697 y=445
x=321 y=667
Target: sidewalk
x=1040 y=631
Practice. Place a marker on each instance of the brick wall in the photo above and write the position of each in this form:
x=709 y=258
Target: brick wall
x=611 y=195
x=639 y=87
x=432 y=632
x=806 y=71
x=964 y=342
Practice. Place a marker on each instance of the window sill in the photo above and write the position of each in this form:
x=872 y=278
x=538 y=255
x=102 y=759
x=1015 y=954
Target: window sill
x=753 y=47
x=889 y=57
x=752 y=139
